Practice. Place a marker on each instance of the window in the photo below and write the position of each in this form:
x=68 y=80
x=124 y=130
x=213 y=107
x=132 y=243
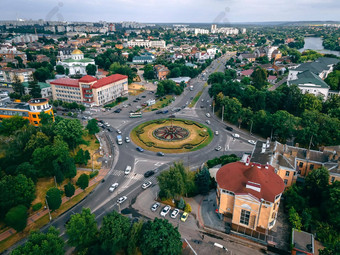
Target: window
x=285 y=181
x=34 y=116
x=311 y=167
x=245 y=217
x=301 y=164
x=287 y=173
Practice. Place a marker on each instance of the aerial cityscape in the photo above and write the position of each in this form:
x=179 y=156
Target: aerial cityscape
x=167 y=128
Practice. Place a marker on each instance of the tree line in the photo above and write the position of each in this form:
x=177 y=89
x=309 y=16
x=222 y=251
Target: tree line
x=282 y=114
x=118 y=234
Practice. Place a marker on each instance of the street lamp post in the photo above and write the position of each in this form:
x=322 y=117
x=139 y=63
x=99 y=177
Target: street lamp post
x=251 y=127
x=49 y=213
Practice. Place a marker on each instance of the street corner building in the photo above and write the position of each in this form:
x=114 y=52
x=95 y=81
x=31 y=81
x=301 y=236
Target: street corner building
x=30 y=110
x=89 y=90
x=248 y=196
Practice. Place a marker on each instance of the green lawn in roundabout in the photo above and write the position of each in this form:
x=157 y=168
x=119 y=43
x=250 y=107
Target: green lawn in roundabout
x=171 y=135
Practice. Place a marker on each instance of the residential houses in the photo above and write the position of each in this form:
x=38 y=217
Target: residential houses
x=9 y=52
x=161 y=72
x=8 y=75
x=46 y=90
x=141 y=60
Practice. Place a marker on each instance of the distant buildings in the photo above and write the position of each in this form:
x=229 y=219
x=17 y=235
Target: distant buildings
x=146 y=43
x=8 y=75
x=90 y=91
x=161 y=72
x=30 y=110
x=77 y=63
x=146 y=58
x=26 y=38
x=225 y=30
x=9 y=52
x=46 y=90
x=201 y=31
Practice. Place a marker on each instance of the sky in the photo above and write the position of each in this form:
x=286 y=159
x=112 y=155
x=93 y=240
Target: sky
x=172 y=11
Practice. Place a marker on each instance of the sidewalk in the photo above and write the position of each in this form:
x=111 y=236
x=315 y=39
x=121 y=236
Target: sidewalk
x=4 y=235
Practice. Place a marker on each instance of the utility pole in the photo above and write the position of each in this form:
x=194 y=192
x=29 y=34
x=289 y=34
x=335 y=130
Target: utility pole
x=213 y=107
x=251 y=127
x=222 y=112
x=48 y=209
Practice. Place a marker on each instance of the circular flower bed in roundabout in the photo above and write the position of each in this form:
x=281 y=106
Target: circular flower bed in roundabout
x=171 y=135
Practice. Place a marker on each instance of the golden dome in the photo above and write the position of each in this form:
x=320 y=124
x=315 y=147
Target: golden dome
x=76 y=51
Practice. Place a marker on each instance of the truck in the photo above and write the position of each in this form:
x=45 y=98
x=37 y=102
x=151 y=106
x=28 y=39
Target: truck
x=119 y=139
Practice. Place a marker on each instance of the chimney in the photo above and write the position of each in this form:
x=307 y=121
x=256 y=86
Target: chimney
x=263 y=148
x=267 y=165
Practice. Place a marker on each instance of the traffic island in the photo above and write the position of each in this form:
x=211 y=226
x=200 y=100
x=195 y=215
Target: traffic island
x=171 y=135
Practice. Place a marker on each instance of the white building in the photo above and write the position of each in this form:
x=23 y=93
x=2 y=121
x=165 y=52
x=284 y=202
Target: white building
x=270 y=51
x=146 y=43
x=77 y=63
x=201 y=31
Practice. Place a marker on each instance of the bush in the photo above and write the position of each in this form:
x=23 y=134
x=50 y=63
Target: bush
x=93 y=174
x=187 y=208
x=181 y=204
x=16 y=217
x=36 y=207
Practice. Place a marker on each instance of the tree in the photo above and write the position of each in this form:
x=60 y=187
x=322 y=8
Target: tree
x=202 y=181
x=316 y=183
x=16 y=218
x=42 y=74
x=217 y=77
x=10 y=125
x=42 y=243
x=34 y=88
x=28 y=170
x=82 y=229
x=148 y=72
x=160 y=237
x=83 y=181
x=17 y=86
x=114 y=233
x=310 y=102
x=134 y=238
x=15 y=190
x=70 y=130
x=181 y=203
x=259 y=78
x=60 y=69
x=69 y=189
x=45 y=118
x=187 y=208
x=91 y=69
x=294 y=219
x=79 y=158
x=53 y=196
x=92 y=126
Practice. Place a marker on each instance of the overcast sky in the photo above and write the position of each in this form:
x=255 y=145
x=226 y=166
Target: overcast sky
x=207 y=11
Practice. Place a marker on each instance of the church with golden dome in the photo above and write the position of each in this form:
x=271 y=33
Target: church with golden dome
x=76 y=64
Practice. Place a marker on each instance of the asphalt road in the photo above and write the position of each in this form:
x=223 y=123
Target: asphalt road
x=101 y=201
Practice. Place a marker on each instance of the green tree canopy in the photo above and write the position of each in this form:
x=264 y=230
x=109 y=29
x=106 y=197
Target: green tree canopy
x=60 y=69
x=92 y=126
x=10 y=125
x=53 y=196
x=16 y=218
x=69 y=189
x=34 y=88
x=83 y=181
x=91 y=69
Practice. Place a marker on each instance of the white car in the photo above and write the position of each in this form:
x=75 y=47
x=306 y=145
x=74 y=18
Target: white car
x=252 y=142
x=216 y=132
x=107 y=124
x=118 y=131
x=174 y=213
x=127 y=139
x=146 y=185
x=113 y=187
x=127 y=169
x=208 y=122
x=236 y=135
x=155 y=206
x=207 y=114
x=165 y=210
x=218 y=148
x=121 y=199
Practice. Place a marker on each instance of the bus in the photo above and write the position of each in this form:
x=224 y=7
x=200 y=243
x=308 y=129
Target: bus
x=135 y=115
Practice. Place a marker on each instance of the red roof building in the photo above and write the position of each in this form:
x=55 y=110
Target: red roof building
x=90 y=90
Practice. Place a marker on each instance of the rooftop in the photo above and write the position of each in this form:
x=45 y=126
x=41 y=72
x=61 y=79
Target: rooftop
x=303 y=241
x=308 y=78
x=110 y=79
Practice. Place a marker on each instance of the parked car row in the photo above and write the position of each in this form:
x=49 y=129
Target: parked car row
x=166 y=209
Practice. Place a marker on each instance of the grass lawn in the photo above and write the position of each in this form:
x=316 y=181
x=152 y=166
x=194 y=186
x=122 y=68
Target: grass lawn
x=5 y=244
x=194 y=101
x=92 y=147
x=159 y=104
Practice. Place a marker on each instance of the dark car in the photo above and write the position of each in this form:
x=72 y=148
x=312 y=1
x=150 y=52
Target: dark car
x=160 y=153
x=229 y=128
x=143 y=96
x=139 y=149
x=165 y=111
x=149 y=173
x=118 y=110
x=159 y=112
x=177 y=110
x=172 y=116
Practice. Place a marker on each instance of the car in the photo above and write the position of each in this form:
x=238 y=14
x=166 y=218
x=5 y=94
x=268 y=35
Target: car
x=146 y=185
x=159 y=112
x=135 y=101
x=208 y=122
x=121 y=199
x=207 y=114
x=139 y=149
x=165 y=111
x=144 y=104
x=202 y=100
x=155 y=206
x=174 y=213
x=218 y=148
x=236 y=135
x=109 y=129
x=127 y=139
x=117 y=110
x=149 y=173
x=165 y=210
x=100 y=124
x=107 y=124
x=143 y=96
x=184 y=216
x=229 y=128
x=137 y=98
x=118 y=131
x=252 y=142
x=113 y=187
x=216 y=132
x=128 y=169
x=177 y=110
x=172 y=116
x=160 y=153
x=202 y=106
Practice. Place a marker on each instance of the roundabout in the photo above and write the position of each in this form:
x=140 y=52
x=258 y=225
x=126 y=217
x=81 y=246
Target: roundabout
x=171 y=135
